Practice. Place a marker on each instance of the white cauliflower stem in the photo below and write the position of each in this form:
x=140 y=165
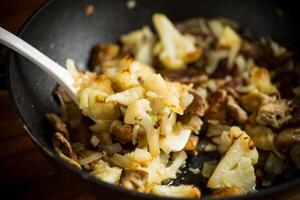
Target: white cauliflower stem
x=236 y=168
x=176 y=50
x=137 y=113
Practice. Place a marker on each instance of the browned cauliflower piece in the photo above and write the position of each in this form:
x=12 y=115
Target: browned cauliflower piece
x=261 y=78
x=236 y=168
x=180 y=191
x=175 y=50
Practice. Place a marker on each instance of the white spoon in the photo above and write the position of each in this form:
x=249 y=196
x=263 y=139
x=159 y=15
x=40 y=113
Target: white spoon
x=59 y=73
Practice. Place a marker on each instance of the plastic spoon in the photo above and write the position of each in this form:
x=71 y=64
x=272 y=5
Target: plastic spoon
x=59 y=73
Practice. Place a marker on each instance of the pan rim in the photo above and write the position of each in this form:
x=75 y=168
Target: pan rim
x=86 y=176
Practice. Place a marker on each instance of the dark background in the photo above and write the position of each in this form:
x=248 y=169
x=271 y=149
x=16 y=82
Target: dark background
x=24 y=172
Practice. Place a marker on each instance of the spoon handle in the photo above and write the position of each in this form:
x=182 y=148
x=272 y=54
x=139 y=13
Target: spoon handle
x=60 y=74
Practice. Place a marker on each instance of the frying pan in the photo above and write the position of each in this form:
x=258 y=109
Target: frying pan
x=61 y=30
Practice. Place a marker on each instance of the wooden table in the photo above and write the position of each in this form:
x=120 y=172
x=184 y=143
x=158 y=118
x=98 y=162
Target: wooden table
x=24 y=172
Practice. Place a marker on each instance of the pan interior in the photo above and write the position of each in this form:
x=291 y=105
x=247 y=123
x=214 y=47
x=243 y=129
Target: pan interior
x=63 y=30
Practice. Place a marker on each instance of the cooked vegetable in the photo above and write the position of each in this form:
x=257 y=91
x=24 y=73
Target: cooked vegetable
x=187 y=191
x=261 y=78
x=137 y=113
x=235 y=110
x=274 y=114
x=134 y=179
x=106 y=173
x=189 y=98
x=236 y=168
x=175 y=50
x=140 y=43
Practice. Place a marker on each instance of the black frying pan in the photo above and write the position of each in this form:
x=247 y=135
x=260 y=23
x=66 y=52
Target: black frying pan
x=61 y=30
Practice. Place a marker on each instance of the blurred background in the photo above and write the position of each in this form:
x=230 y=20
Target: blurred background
x=24 y=172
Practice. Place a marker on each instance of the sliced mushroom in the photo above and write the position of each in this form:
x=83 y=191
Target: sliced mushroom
x=63 y=148
x=275 y=113
x=186 y=77
x=287 y=138
x=250 y=102
x=122 y=132
x=235 y=110
x=295 y=155
x=216 y=129
x=57 y=124
x=196 y=108
x=134 y=179
x=216 y=111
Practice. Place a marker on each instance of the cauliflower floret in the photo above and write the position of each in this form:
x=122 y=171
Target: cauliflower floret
x=140 y=42
x=226 y=139
x=106 y=173
x=236 y=168
x=140 y=156
x=137 y=113
x=261 y=78
x=160 y=169
x=229 y=38
x=126 y=96
x=170 y=94
x=184 y=191
x=91 y=99
x=176 y=50
x=126 y=73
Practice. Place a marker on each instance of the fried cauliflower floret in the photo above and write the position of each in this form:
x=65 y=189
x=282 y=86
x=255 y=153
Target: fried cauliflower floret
x=180 y=191
x=126 y=73
x=92 y=97
x=140 y=156
x=140 y=43
x=126 y=96
x=160 y=168
x=173 y=95
x=103 y=171
x=175 y=50
x=226 y=139
x=236 y=168
x=137 y=113
x=230 y=39
x=261 y=78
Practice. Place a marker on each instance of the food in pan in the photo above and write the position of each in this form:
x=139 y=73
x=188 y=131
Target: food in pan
x=164 y=96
